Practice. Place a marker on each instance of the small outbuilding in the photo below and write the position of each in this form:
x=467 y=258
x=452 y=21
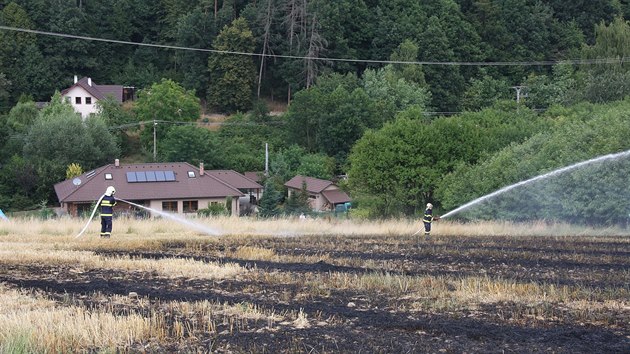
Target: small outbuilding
x=323 y=195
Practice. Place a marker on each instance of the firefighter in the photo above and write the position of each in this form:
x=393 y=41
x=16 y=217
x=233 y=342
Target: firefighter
x=428 y=219
x=107 y=210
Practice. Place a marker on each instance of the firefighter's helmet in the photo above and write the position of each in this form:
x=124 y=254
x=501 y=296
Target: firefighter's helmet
x=110 y=191
x=429 y=206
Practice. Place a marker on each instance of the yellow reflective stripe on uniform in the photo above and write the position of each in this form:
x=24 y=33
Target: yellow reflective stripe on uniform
x=106 y=215
x=107 y=204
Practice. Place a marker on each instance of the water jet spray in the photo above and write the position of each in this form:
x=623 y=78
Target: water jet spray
x=537 y=178
x=198 y=227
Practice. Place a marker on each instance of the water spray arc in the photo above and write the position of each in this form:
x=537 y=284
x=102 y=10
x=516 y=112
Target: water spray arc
x=196 y=226
x=537 y=178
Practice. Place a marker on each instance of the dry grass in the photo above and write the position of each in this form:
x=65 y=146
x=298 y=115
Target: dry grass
x=31 y=322
x=22 y=253
x=126 y=229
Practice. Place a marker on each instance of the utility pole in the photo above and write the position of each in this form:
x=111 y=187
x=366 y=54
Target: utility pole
x=266 y=160
x=154 y=141
x=518 y=92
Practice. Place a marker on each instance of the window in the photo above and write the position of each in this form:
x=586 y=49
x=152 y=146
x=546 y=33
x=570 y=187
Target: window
x=77 y=100
x=170 y=206
x=108 y=176
x=190 y=206
x=88 y=100
x=191 y=174
x=67 y=99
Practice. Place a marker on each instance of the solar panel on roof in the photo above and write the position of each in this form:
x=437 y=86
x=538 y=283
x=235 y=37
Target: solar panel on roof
x=159 y=176
x=131 y=177
x=150 y=176
x=140 y=176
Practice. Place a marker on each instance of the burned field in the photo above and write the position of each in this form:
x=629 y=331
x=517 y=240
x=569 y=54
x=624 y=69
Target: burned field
x=323 y=294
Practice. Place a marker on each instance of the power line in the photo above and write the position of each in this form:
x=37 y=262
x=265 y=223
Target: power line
x=369 y=61
x=209 y=124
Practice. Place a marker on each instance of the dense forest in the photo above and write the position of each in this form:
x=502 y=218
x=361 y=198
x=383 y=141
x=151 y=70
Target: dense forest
x=415 y=101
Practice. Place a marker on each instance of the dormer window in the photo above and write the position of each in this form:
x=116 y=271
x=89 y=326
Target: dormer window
x=191 y=174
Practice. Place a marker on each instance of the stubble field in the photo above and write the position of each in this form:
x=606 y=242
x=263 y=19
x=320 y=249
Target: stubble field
x=314 y=287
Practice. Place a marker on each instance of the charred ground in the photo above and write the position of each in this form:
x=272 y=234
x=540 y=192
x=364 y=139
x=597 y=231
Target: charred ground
x=341 y=319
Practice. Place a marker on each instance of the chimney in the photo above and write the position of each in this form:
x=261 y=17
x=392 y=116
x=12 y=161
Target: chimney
x=201 y=170
x=117 y=163
x=89 y=81
x=76 y=79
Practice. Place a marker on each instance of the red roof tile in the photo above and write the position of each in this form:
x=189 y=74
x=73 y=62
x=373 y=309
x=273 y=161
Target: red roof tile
x=99 y=92
x=234 y=179
x=313 y=185
x=336 y=196
x=93 y=184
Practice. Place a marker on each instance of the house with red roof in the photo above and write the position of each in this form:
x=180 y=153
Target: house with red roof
x=323 y=195
x=176 y=187
x=84 y=94
x=251 y=189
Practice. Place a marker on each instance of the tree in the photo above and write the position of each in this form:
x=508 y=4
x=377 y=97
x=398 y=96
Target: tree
x=484 y=92
x=316 y=45
x=304 y=115
x=399 y=166
x=348 y=116
x=298 y=202
x=243 y=137
x=393 y=93
x=21 y=58
x=580 y=133
x=4 y=93
x=317 y=165
x=407 y=51
x=269 y=205
x=395 y=20
x=564 y=87
x=266 y=18
x=587 y=14
x=18 y=184
x=197 y=29
x=22 y=116
x=446 y=83
x=165 y=103
x=73 y=170
x=58 y=138
x=193 y=145
x=609 y=82
x=348 y=26
x=232 y=76
x=66 y=139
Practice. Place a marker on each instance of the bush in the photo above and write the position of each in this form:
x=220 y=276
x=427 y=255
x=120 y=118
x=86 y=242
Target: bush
x=213 y=210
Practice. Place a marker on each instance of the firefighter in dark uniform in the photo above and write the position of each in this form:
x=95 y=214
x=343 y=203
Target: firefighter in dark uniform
x=107 y=210
x=428 y=219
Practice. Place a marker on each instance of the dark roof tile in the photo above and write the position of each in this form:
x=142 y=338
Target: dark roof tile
x=93 y=184
x=313 y=185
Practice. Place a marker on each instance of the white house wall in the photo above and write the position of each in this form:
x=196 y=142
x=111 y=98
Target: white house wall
x=83 y=109
x=201 y=204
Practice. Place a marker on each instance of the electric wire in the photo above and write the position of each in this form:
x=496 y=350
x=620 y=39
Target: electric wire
x=596 y=61
x=156 y=122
